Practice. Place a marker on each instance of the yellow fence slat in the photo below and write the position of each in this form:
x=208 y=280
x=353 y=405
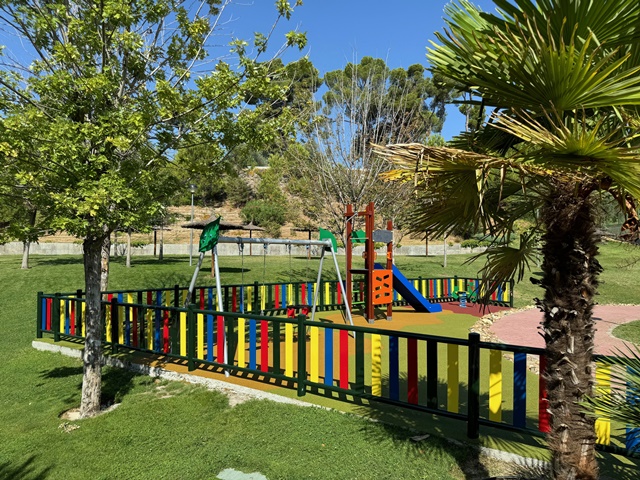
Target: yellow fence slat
x=314 y=353
x=62 y=315
x=107 y=322
x=603 y=387
x=248 y=297
x=200 y=335
x=241 y=343
x=495 y=385
x=288 y=348
x=121 y=324
x=376 y=365
x=149 y=317
x=183 y=334
x=84 y=319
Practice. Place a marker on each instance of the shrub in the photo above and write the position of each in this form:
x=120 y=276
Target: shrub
x=265 y=214
x=470 y=243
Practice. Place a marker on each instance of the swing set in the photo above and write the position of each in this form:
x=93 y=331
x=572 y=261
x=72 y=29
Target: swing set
x=291 y=309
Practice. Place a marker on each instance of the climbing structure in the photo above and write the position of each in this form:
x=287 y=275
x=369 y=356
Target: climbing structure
x=377 y=282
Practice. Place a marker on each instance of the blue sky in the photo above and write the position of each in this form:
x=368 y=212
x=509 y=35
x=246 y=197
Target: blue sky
x=340 y=31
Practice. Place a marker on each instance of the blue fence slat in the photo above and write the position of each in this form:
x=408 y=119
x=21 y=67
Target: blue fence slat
x=520 y=390
x=43 y=318
x=253 y=347
x=328 y=356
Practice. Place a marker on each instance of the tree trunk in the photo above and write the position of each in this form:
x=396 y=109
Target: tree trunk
x=444 y=250
x=105 y=256
x=92 y=371
x=570 y=281
x=27 y=243
x=25 y=254
x=128 y=248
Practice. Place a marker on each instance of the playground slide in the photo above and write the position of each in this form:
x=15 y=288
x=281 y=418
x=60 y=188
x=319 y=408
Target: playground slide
x=413 y=297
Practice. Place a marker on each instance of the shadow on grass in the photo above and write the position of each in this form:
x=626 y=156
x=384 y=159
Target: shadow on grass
x=24 y=471
x=448 y=435
x=116 y=383
x=148 y=260
x=62 y=260
x=61 y=372
x=424 y=432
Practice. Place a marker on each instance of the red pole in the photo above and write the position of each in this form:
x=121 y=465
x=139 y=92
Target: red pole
x=390 y=267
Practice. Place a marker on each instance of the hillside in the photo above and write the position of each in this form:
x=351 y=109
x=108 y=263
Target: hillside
x=174 y=233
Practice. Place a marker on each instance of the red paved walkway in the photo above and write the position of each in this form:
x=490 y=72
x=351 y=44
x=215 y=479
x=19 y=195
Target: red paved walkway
x=523 y=328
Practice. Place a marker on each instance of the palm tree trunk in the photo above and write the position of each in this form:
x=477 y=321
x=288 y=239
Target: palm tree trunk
x=570 y=281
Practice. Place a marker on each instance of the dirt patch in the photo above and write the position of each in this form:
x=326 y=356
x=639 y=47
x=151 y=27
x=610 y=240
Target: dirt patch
x=73 y=414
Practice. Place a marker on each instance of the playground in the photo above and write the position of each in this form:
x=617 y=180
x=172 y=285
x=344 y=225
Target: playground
x=378 y=338
x=153 y=408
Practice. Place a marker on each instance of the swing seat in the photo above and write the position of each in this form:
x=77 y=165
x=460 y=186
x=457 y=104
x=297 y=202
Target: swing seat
x=293 y=310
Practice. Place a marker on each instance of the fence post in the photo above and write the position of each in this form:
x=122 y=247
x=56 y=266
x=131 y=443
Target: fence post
x=302 y=356
x=473 y=410
x=191 y=337
x=55 y=317
x=39 y=316
x=114 y=324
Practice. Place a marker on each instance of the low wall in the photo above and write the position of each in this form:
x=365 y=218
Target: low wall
x=226 y=249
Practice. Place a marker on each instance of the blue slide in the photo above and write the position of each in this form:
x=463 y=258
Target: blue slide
x=413 y=297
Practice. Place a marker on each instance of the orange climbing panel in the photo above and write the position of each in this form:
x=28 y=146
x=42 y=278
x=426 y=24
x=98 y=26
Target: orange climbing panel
x=382 y=287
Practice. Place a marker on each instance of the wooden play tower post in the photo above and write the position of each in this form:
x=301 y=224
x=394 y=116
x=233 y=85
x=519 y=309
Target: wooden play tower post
x=378 y=286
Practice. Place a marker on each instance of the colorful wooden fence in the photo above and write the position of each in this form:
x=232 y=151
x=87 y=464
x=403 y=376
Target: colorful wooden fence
x=483 y=384
x=276 y=297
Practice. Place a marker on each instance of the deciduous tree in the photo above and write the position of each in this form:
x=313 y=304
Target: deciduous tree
x=113 y=89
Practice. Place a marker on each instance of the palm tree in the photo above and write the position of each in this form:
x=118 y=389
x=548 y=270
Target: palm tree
x=562 y=80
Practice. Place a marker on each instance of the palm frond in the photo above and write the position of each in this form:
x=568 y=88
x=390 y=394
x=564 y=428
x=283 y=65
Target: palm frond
x=504 y=263
x=576 y=145
x=618 y=396
x=520 y=62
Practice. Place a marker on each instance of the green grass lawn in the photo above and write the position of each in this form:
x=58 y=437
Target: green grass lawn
x=173 y=430
x=629 y=332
